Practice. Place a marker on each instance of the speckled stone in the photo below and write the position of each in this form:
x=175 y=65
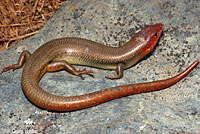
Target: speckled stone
x=173 y=110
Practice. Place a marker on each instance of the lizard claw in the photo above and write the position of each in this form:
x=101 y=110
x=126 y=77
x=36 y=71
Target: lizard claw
x=7 y=68
x=84 y=71
x=12 y=67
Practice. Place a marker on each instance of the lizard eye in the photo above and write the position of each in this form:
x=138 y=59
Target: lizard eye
x=156 y=34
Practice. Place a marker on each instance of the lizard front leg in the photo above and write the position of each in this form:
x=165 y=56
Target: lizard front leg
x=119 y=70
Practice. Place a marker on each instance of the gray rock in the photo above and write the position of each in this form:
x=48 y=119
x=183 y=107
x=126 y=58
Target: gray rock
x=173 y=110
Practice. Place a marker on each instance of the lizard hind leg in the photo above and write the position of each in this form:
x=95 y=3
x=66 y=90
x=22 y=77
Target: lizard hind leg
x=59 y=65
x=22 y=59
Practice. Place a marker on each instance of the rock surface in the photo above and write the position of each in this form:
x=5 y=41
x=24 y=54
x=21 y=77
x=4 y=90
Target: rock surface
x=173 y=110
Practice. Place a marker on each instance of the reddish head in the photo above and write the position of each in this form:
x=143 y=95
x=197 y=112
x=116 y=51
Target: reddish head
x=144 y=41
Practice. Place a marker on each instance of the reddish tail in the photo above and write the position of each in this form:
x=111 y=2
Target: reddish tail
x=125 y=90
x=157 y=85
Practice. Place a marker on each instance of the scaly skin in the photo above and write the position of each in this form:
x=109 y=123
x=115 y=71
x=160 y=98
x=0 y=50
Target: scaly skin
x=62 y=53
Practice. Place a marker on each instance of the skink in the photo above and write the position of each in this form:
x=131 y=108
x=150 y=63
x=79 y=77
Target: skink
x=63 y=53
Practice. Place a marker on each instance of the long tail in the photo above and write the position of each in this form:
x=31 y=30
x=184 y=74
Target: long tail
x=125 y=90
x=161 y=84
x=156 y=85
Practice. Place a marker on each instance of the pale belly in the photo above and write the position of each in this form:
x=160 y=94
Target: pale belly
x=78 y=61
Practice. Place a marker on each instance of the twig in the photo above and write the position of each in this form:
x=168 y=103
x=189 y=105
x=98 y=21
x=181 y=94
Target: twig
x=18 y=37
x=21 y=24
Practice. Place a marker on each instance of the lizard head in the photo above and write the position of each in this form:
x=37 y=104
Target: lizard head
x=151 y=34
x=145 y=40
